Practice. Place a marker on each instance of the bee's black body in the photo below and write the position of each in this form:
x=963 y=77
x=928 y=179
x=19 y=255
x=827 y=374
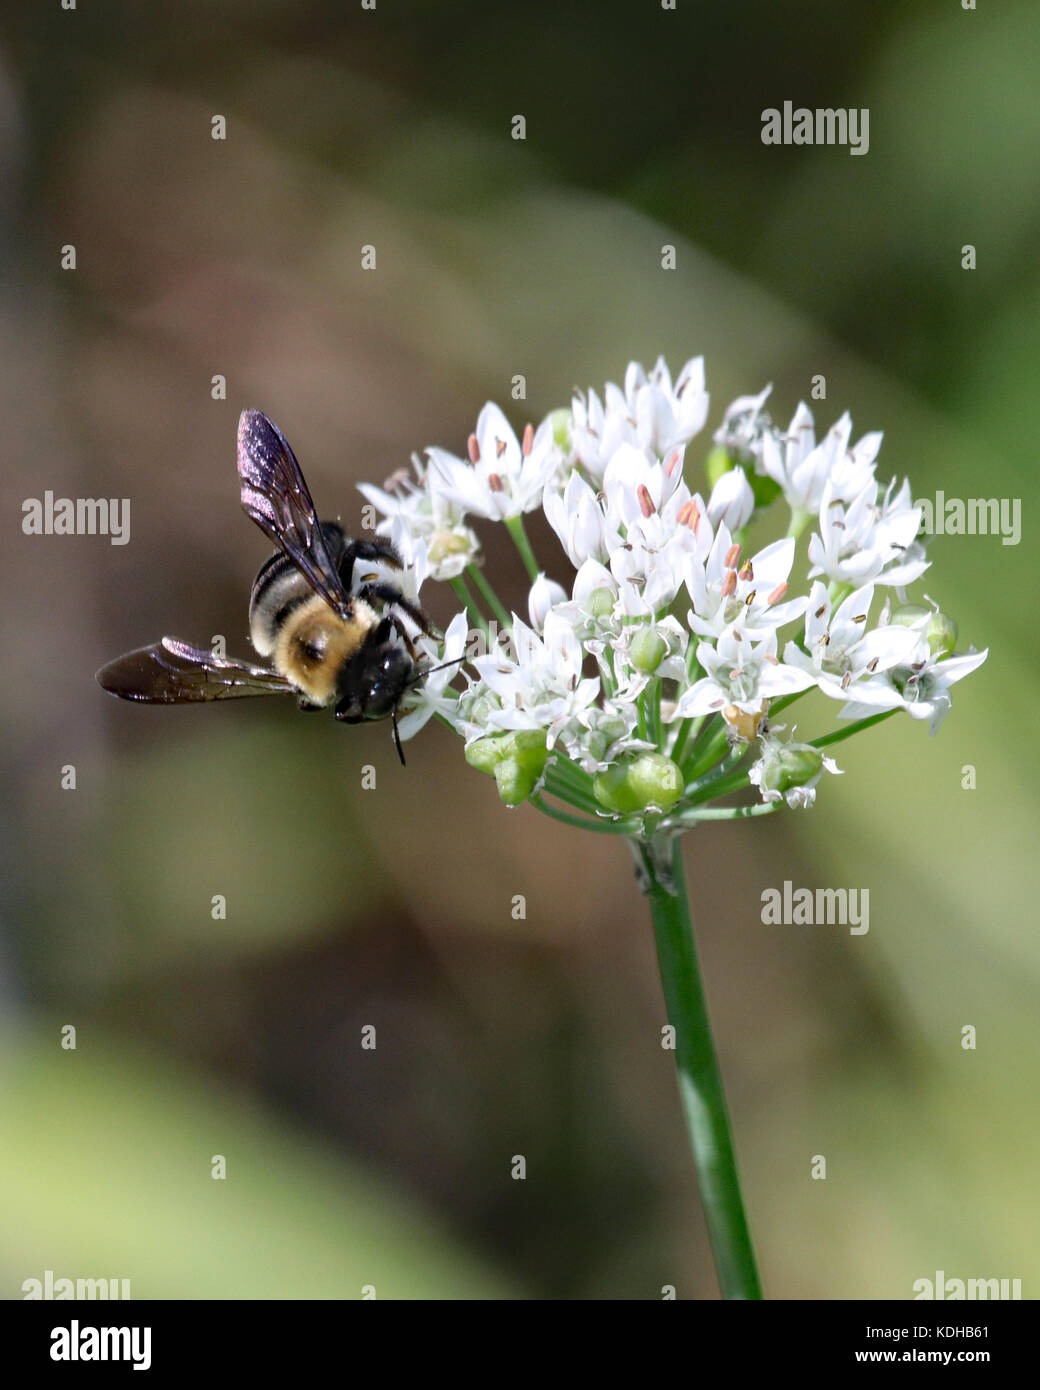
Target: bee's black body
x=333 y=636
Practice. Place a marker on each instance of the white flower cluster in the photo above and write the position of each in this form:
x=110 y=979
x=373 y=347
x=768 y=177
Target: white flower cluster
x=669 y=626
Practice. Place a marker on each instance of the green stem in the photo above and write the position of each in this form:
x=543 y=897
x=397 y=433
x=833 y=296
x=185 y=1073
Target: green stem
x=515 y=527
x=569 y=783
x=601 y=827
x=468 y=602
x=490 y=597
x=707 y=749
x=730 y=812
x=840 y=735
x=700 y=1082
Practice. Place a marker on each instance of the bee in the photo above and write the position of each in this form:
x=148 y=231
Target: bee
x=332 y=637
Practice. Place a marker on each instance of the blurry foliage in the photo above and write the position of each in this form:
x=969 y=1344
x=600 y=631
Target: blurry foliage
x=392 y=907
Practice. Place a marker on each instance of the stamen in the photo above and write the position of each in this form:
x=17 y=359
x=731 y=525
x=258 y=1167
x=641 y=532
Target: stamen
x=777 y=593
x=500 y=447
x=528 y=441
x=746 y=572
x=473 y=449
x=646 y=502
x=729 y=584
x=731 y=557
x=495 y=483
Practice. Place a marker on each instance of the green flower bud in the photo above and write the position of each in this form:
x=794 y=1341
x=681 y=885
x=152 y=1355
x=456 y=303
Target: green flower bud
x=648 y=782
x=486 y=753
x=601 y=603
x=788 y=765
x=515 y=781
x=515 y=760
x=562 y=424
x=647 y=650
x=940 y=631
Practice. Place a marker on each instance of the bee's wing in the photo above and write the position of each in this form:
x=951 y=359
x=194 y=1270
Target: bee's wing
x=173 y=673
x=275 y=496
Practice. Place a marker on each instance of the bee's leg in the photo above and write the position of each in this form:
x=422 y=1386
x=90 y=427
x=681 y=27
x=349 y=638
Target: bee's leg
x=307 y=705
x=397 y=626
x=386 y=593
x=365 y=550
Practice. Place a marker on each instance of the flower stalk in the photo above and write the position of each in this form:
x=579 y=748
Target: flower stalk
x=650 y=685
x=700 y=1081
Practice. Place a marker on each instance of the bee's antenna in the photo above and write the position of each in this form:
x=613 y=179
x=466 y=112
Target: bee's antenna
x=421 y=675
x=397 y=736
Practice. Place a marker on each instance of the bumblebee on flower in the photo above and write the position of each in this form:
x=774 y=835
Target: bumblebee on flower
x=658 y=646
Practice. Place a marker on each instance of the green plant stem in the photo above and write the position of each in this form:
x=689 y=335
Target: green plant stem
x=840 y=735
x=515 y=527
x=600 y=827
x=700 y=1082
x=730 y=812
x=490 y=597
x=562 y=783
x=468 y=602
x=686 y=728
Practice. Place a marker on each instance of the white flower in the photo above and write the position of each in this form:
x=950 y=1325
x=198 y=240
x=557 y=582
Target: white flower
x=425 y=514
x=576 y=515
x=731 y=500
x=428 y=697
x=649 y=414
x=920 y=685
x=744 y=426
x=840 y=651
x=859 y=540
x=803 y=469
x=740 y=672
x=504 y=478
x=544 y=595
x=725 y=589
x=539 y=682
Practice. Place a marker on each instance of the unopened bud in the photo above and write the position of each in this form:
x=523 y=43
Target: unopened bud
x=515 y=760
x=647 y=650
x=562 y=424
x=601 y=603
x=783 y=766
x=648 y=782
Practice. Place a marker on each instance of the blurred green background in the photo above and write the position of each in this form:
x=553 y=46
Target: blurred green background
x=391 y=907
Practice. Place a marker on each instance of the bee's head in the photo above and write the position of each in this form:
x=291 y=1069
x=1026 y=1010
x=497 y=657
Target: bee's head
x=384 y=678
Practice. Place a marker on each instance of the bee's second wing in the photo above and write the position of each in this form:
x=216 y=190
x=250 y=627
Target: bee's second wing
x=173 y=673
x=275 y=496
